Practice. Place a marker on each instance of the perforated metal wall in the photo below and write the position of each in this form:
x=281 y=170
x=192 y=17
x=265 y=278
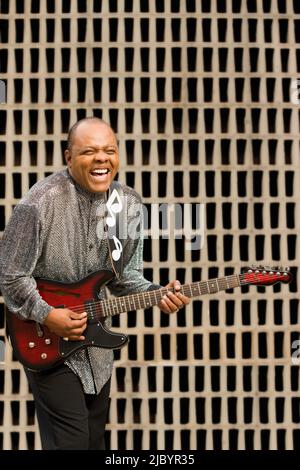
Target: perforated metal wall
x=203 y=97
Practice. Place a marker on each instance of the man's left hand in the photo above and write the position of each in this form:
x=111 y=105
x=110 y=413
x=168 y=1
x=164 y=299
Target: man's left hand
x=172 y=302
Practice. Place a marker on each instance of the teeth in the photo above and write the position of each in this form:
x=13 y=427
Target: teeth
x=100 y=171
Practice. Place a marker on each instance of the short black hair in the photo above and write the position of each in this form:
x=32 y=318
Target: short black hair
x=73 y=129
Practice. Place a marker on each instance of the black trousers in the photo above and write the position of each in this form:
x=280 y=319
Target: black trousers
x=68 y=418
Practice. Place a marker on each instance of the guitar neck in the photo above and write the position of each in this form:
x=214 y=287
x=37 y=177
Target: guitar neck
x=147 y=299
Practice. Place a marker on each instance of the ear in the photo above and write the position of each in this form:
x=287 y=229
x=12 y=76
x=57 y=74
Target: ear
x=68 y=158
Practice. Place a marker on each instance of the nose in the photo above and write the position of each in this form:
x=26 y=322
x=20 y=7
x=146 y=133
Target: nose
x=100 y=156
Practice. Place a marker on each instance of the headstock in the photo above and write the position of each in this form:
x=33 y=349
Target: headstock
x=266 y=275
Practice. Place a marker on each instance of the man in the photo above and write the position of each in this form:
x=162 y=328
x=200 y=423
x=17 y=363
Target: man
x=57 y=232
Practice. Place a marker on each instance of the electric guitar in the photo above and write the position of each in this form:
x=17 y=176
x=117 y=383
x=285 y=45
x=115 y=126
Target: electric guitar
x=38 y=348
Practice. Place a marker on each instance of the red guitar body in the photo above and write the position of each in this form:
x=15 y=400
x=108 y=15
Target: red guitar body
x=37 y=348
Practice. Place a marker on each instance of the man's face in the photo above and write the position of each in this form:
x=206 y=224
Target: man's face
x=93 y=159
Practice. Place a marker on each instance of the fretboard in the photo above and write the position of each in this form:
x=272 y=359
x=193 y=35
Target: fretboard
x=142 y=300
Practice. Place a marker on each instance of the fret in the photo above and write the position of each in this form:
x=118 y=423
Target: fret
x=131 y=302
x=196 y=289
x=122 y=304
x=127 y=302
x=155 y=293
x=114 y=306
x=144 y=300
x=141 y=301
x=164 y=291
x=147 y=302
x=203 y=288
x=103 y=307
x=117 y=305
x=137 y=301
x=233 y=282
x=230 y=282
x=190 y=290
x=111 y=307
x=212 y=286
x=147 y=299
x=184 y=290
x=107 y=307
x=158 y=294
x=225 y=283
x=222 y=283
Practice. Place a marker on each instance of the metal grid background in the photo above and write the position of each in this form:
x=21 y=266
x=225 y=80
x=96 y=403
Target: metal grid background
x=199 y=94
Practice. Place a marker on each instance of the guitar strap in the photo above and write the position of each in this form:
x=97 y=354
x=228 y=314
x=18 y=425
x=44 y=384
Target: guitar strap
x=114 y=226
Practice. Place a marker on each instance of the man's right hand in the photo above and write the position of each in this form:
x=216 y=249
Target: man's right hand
x=66 y=323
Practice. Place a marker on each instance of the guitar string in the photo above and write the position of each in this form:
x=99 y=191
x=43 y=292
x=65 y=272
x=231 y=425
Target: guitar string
x=93 y=307
x=115 y=302
x=140 y=295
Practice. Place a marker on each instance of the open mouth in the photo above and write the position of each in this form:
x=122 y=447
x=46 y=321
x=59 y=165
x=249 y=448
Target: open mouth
x=100 y=174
